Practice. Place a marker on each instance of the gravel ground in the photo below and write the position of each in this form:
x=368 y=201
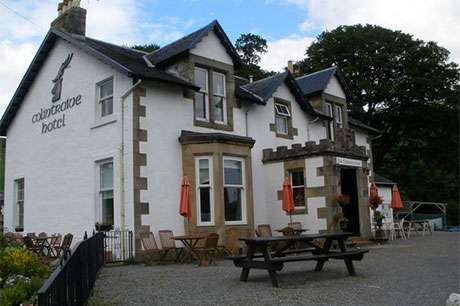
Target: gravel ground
x=419 y=271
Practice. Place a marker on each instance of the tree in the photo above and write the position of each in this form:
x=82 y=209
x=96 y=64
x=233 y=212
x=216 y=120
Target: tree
x=146 y=47
x=409 y=90
x=250 y=47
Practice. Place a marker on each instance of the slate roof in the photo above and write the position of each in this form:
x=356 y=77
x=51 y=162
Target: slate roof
x=380 y=180
x=315 y=82
x=182 y=46
x=262 y=90
x=359 y=124
x=125 y=60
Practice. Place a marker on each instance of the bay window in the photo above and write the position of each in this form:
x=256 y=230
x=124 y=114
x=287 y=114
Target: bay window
x=204 y=191
x=19 y=203
x=298 y=187
x=234 y=191
x=106 y=192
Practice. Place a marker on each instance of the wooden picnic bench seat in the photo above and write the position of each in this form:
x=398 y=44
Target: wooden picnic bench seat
x=353 y=255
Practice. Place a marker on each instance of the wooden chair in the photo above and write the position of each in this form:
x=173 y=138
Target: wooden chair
x=264 y=230
x=231 y=245
x=169 y=244
x=150 y=246
x=31 y=246
x=42 y=235
x=56 y=240
x=210 y=249
x=66 y=242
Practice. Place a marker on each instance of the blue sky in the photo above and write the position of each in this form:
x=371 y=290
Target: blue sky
x=288 y=25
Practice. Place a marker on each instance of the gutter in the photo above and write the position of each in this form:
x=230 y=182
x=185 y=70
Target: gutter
x=122 y=154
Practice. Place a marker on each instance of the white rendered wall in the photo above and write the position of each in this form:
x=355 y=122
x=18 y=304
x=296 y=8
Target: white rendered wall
x=211 y=47
x=334 y=88
x=59 y=167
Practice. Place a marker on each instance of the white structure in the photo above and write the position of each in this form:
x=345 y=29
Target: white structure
x=99 y=134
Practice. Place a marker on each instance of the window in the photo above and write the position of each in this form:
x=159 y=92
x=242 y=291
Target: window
x=106 y=192
x=204 y=194
x=19 y=203
x=330 y=128
x=218 y=98
x=201 y=97
x=298 y=187
x=234 y=191
x=282 y=115
x=338 y=115
x=105 y=98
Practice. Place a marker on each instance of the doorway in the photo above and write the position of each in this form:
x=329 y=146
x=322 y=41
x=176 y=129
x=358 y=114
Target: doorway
x=350 y=187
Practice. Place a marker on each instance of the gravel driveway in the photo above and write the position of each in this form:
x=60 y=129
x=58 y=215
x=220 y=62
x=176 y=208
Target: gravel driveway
x=419 y=271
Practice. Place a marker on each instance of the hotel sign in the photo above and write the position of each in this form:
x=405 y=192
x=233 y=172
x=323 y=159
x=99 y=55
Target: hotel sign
x=46 y=116
x=348 y=162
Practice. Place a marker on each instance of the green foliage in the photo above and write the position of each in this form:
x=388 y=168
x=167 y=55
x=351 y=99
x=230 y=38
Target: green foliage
x=146 y=47
x=250 y=47
x=131 y=261
x=21 y=274
x=408 y=89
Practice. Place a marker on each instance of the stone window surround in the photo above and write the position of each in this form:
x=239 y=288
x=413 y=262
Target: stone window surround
x=292 y=131
x=217 y=151
x=290 y=165
x=336 y=101
x=226 y=69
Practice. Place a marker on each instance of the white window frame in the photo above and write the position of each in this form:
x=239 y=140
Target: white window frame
x=100 y=190
x=330 y=112
x=224 y=96
x=243 y=220
x=338 y=116
x=211 y=190
x=282 y=111
x=18 y=219
x=298 y=186
x=100 y=99
x=206 y=96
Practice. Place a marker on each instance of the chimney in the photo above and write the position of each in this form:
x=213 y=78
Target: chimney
x=251 y=78
x=71 y=18
x=290 y=66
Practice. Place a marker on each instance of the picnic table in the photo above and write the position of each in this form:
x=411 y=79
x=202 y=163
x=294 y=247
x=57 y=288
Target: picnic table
x=190 y=242
x=270 y=253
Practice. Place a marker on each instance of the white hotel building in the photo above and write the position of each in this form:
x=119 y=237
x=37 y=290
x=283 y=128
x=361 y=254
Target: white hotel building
x=103 y=134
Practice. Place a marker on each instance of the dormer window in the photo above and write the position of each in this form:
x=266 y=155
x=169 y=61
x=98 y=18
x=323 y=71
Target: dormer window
x=282 y=115
x=338 y=116
x=219 y=97
x=330 y=128
x=201 y=97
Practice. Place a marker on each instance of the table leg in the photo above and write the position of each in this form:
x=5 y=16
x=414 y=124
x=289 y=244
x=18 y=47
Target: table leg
x=348 y=261
x=245 y=271
x=325 y=249
x=271 y=273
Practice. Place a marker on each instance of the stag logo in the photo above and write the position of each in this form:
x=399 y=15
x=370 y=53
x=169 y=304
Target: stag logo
x=57 y=88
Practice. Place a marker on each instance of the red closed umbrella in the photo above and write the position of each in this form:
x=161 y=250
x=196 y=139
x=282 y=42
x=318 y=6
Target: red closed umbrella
x=396 y=202
x=185 y=209
x=288 y=197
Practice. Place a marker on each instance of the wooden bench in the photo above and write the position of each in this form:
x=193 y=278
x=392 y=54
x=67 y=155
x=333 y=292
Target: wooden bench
x=273 y=260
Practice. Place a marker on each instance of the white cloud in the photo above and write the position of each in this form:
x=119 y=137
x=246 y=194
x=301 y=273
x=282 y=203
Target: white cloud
x=436 y=20
x=15 y=60
x=282 y=50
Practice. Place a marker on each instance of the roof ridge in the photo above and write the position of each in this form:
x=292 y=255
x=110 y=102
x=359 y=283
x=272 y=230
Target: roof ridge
x=116 y=45
x=316 y=72
x=213 y=23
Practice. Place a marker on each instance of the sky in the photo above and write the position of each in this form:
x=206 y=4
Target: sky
x=289 y=26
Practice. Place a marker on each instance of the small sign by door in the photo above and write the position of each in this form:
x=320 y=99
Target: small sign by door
x=348 y=162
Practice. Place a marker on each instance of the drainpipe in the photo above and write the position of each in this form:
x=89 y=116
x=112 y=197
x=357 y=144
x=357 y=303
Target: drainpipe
x=308 y=127
x=122 y=154
x=246 y=122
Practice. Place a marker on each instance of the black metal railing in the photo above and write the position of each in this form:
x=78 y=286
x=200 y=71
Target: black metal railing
x=118 y=246
x=72 y=281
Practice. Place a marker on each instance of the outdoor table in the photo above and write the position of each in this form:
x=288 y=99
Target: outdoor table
x=286 y=231
x=275 y=251
x=44 y=245
x=189 y=242
x=421 y=223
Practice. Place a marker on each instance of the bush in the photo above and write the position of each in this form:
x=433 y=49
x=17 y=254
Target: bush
x=21 y=275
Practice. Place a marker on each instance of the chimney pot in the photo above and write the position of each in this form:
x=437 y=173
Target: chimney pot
x=251 y=78
x=290 y=66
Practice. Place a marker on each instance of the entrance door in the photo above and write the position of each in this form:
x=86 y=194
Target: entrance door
x=350 y=188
